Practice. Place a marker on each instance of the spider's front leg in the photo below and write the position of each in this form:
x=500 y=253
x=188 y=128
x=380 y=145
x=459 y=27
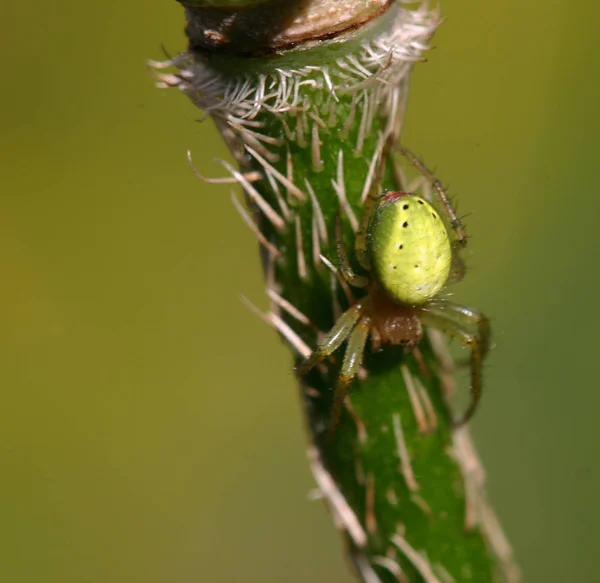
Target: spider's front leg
x=453 y=320
x=349 y=325
x=352 y=361
x=469 y=316
x=334 y=339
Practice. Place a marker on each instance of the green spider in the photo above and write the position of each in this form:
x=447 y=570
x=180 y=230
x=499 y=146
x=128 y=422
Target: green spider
x=406 y=251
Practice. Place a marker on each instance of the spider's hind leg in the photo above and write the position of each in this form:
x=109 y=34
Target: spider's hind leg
x=349 y=275
x=453 y=218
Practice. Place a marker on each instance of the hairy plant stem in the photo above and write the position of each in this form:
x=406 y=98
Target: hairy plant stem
x=311 y=118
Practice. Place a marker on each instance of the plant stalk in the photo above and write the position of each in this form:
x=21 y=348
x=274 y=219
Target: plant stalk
x=310 y=97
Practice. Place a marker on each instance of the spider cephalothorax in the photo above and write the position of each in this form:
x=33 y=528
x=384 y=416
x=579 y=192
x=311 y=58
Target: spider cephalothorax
x=408 y=256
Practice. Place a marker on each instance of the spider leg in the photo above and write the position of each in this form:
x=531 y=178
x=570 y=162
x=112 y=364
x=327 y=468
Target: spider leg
x=360 y=240
x=455 y=222
x=478 y=343
x=349 y=275
x=352 y=361
x=376 y=340
x=334 y=338
x=468 y=316
x=457 y=267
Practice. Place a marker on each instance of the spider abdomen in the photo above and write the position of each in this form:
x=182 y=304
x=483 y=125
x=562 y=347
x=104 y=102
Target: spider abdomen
x=409 y=248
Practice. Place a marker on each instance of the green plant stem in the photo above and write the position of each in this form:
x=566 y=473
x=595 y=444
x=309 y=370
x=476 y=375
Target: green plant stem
x=405 y=489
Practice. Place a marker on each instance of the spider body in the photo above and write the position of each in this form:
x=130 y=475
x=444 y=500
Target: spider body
x=405 y=249
x=409 y=248
x=391 y=323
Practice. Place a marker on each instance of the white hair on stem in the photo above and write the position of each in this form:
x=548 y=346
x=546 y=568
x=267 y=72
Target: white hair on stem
x=379 y=66
x=254 y=227
x=340 y=190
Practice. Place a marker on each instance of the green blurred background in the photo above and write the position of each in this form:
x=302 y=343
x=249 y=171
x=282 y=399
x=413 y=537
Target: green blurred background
x=149 y=428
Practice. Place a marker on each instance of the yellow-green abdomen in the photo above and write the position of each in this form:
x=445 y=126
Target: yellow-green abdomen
x=409 y=248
